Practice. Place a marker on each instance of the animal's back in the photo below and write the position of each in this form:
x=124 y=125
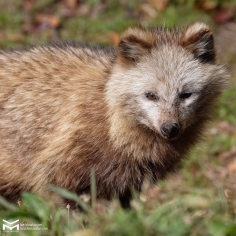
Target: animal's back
x=51 y=99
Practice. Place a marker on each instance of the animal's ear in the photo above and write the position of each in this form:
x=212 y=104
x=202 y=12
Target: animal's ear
x=134 y=43
x=198 y=39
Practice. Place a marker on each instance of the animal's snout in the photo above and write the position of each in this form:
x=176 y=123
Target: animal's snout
x=170 y=130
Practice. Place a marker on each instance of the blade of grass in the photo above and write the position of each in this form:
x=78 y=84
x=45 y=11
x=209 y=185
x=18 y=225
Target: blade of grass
x=71 y=196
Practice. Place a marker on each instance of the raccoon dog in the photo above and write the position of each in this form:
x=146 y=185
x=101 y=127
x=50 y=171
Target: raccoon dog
x=129 y=113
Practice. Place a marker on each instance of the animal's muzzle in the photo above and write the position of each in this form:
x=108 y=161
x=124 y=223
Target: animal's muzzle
x=170 y=130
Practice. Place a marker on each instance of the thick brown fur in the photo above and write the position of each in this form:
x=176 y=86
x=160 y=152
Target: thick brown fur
x=62 y=115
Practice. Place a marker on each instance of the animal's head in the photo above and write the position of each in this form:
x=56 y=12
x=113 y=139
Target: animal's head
x=165 y=79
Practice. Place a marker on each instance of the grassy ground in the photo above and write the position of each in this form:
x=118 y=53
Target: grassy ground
x=198 y=200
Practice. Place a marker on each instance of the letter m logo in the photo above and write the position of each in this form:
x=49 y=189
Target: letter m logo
x=10 y=225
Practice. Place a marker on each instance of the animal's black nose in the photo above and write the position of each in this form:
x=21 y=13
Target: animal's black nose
x=170 y=130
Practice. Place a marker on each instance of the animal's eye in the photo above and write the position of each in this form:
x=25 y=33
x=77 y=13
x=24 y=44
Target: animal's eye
x=151 y=96
x=185 y=95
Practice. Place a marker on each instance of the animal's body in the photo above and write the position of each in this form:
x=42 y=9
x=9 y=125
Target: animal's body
x=129 y=113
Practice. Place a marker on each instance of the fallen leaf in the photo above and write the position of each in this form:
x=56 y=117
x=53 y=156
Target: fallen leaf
x=84 y=10
x=70 y=3
x=160 y=5
x=148 y=10
x=114 y=38
x=28 y=4
x=97 y=10
x=68 y=8
x=232 y=166
x=224 y=15
x=48 y=20
x=208 y=5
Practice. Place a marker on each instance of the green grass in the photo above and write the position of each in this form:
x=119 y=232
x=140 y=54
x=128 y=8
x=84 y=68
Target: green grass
x=198 y=212
x=228 y=105
x=192 y=202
